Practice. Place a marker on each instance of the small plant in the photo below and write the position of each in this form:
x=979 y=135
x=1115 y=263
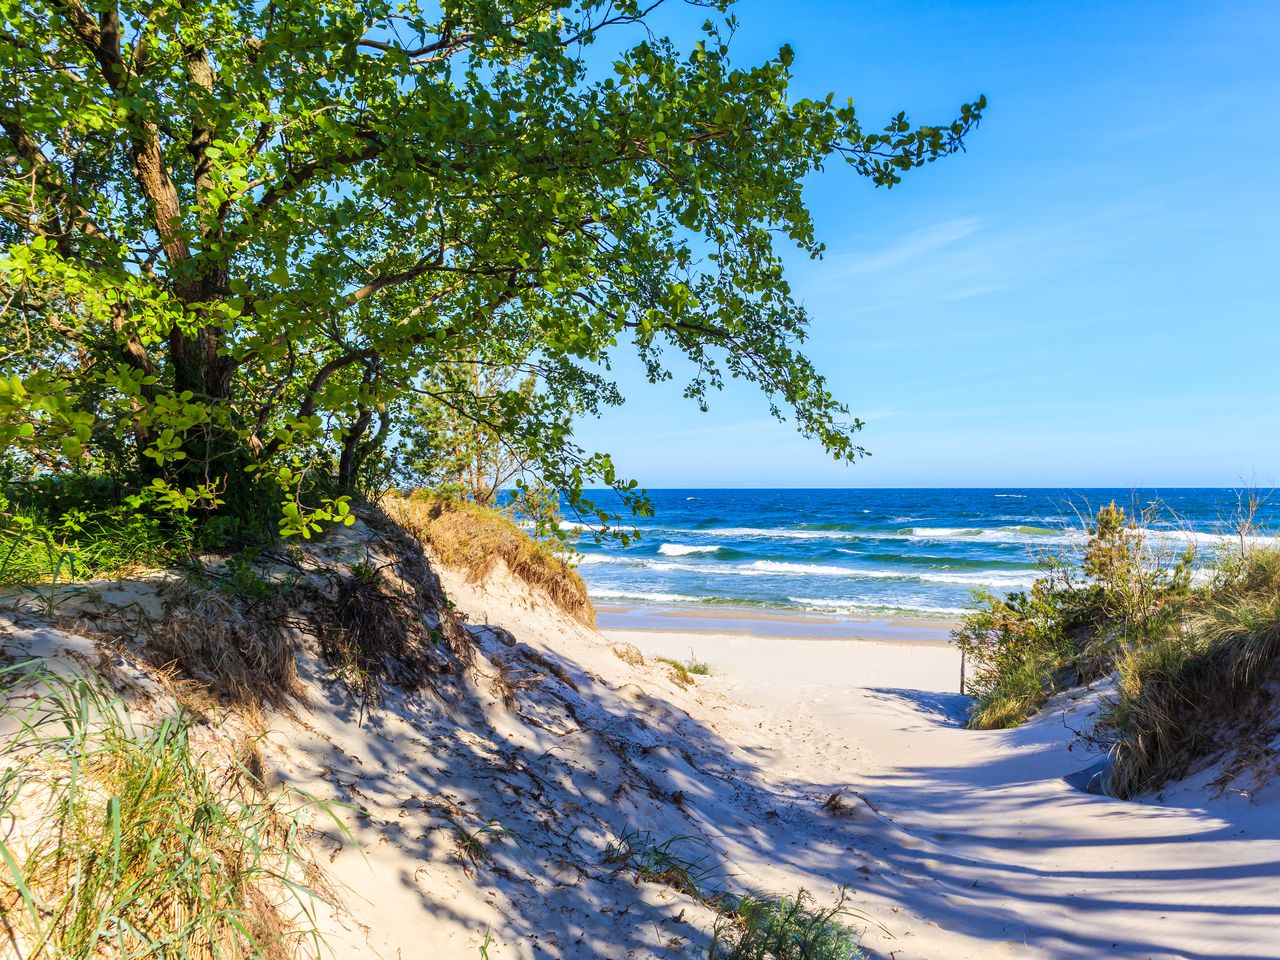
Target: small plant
x=472 y=846
x=699 y=668
x=683 y=672
x=785 y=928
x=669 y=862
x=837 y=805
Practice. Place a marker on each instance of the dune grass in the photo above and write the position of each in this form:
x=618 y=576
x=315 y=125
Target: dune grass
x=683 y=671
x=1198 y=686
x=1194 y=667
x=117 y=844
x=683 y=863
x=474 y=539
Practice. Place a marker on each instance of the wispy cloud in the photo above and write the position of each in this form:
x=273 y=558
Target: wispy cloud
x=907 y=250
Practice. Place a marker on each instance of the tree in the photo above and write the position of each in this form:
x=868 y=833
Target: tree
x=453 y=435
x=238 y=232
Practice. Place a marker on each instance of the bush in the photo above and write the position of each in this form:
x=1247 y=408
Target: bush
x=77 y=528
x=1023 y=647
x=1071 y=627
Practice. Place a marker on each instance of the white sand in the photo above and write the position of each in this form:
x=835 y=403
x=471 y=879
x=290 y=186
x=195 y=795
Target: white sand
x=955 y=844
x=995 y=847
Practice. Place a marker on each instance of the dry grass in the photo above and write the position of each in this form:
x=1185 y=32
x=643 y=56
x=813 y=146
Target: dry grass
x=117 y=844
x=242 y=648
x=629 y=653
x=1200 y=686
x=473 y=539
x=373 y=629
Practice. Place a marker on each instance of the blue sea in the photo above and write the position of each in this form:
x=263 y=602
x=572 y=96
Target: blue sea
x=873 y=553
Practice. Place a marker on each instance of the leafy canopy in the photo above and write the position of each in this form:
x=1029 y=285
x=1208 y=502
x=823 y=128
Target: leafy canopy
x=237 y=235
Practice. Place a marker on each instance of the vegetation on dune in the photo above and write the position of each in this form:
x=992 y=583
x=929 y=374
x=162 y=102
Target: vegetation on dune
x=1194 y=666
x=683 y=672
x=474 y=538
x=1206 y=681
x=117 y=843
x=74 y=528
x=747 y=926
x=757 y=927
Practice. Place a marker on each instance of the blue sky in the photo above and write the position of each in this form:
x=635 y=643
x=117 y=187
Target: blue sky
x=1090 y=296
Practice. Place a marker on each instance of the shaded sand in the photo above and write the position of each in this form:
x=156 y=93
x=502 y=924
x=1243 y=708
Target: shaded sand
x=996 y=844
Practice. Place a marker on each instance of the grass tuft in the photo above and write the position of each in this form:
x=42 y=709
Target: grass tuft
x=472 y=538
x=785 y=928
x=683 y=672
x=683 y=863
x=118 y=845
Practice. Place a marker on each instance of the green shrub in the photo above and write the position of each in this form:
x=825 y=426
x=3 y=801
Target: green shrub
x=80 y=527
x=1071 y=627
x=1021 y=648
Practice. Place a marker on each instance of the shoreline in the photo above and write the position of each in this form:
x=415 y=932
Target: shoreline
x=775 y=625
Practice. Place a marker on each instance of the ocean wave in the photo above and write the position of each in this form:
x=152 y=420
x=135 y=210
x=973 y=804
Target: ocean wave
x=606 y=593
x=684 y=550
x=794 y=604
x=777 y=568
x=766 y=533
x=826 y=605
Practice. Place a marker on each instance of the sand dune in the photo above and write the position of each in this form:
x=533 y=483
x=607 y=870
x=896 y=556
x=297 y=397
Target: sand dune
x=488 y=810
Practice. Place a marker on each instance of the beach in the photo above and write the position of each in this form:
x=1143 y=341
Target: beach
x=579 y=793
x=984 y=848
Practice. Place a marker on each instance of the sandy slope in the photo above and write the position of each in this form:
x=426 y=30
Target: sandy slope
x=485 y=808
x=1002 y=849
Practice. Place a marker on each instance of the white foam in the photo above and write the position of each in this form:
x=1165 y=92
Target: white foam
x=604 y=593
x=822 y=605
x=776 y=568
x=684 y=549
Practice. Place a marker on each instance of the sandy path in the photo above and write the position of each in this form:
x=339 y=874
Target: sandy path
x=1006 y=856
